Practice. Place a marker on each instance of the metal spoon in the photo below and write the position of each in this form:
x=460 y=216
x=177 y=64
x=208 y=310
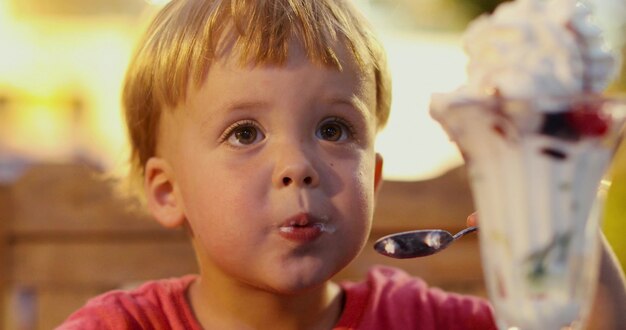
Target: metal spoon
x=417 y=243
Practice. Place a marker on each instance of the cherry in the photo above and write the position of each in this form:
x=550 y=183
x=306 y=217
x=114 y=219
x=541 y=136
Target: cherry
x=588 y=122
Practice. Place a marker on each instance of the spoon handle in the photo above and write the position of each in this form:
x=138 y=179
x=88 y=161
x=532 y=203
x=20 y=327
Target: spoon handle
x=464 y=232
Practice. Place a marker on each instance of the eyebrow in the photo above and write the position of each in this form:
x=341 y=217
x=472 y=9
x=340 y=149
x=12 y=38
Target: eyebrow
x=229 y=108
x=353 y=102
x=245 y=105
x=236 y=106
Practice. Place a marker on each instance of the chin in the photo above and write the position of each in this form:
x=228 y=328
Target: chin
x=301 y=279
x=296 y=288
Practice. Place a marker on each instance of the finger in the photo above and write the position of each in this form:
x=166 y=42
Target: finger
x=472 y=220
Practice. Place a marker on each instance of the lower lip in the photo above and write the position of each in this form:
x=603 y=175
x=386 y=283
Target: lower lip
x=300 y=234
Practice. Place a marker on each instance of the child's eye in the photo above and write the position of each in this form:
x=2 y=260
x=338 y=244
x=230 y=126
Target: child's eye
x=243 y=133
x=334 y=129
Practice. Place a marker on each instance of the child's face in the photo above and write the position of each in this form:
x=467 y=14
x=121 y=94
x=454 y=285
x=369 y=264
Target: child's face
x=258 y=158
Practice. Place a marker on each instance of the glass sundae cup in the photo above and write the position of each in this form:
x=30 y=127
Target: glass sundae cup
x=536 y=168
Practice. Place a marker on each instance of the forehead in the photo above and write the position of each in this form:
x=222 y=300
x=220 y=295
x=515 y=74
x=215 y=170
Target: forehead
x=346 y=70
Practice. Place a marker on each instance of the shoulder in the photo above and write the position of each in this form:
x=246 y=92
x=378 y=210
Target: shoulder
x=154 y=304
x=391 y=295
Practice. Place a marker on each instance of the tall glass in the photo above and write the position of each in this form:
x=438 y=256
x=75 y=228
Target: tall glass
x=535 y=178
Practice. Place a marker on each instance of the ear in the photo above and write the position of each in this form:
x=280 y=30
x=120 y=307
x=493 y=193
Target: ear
x=163 y=200
x=378 y=173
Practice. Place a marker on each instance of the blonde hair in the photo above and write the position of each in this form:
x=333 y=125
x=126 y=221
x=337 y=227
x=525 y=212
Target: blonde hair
x=182 y=40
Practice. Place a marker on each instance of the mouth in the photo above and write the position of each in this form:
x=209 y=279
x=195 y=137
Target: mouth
x=304 y=227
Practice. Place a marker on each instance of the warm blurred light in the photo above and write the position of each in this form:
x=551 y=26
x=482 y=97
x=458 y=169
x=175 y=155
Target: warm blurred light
x=158 y=2
x=40 y=124
x=413 y=145
x=62 y=79
x=4 y=12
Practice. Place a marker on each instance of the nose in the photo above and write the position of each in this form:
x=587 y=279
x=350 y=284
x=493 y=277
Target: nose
x=294 y=168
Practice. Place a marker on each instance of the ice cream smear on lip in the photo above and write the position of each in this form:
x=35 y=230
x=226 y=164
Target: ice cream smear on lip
x=322 y=223
x=325 y=227
x=537 y=137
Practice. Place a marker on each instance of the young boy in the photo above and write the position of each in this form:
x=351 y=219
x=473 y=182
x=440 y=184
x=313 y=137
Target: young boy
x=252 y=124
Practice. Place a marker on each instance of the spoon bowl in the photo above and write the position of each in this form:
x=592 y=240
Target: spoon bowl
x=417 y=243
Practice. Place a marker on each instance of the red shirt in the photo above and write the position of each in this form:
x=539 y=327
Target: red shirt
x=387 y=299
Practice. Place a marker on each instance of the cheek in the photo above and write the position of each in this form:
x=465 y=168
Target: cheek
x=363 y=180
x=358 y=201
x=221 y=200
x=224 y=223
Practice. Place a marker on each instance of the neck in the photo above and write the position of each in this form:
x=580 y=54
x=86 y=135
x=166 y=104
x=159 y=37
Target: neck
x=227 y=304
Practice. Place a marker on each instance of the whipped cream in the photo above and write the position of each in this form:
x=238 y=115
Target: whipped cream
x=535 y=49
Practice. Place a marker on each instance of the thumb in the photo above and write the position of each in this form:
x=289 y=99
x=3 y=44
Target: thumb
x=472 y=220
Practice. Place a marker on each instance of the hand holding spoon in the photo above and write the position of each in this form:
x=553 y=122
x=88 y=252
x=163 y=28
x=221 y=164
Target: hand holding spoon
x=417 y=243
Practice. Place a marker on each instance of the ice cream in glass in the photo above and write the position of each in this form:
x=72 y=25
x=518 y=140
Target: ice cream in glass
x=537 y=136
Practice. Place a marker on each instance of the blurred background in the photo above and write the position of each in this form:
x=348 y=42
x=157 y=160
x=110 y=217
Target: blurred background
x=61 y=67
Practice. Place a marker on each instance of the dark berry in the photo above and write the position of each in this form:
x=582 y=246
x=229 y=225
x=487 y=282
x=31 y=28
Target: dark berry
x=558 y=125
x=554 y=153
